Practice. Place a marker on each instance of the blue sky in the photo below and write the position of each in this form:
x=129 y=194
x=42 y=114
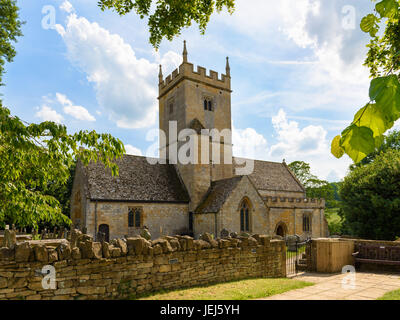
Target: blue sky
x=296 y=66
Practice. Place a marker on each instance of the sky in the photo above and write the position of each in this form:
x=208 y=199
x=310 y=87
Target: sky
x=296 y=66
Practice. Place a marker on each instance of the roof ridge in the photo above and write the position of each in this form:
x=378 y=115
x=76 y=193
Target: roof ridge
x=258 y=160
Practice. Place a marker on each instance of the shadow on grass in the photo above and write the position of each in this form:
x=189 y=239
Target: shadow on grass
x=244 y=289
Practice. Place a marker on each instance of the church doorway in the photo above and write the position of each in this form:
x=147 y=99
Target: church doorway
x=104 y=228
x=281 y=229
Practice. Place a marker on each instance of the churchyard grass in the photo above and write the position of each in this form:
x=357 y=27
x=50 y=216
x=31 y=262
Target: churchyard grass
x=236 y=290
x=291 y=254
x=392 y=295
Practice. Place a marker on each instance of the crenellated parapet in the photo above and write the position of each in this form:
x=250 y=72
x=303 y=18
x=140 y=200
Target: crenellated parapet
x=303 y=203
x=186 y=71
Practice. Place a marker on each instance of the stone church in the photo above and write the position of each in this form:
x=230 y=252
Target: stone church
x=169 y=197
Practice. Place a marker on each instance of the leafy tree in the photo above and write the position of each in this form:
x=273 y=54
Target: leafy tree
x=315 y=188
x=365 y=134
x=334 y=202
x=371 y=198
x=390 y=141
x=10 y=29
x=36 y=159
x=335 y=222
x=169 y=16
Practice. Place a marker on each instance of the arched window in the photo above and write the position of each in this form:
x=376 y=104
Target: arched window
x=306 y=223
x=210 y=105
x=244 y=217
x=205 y=104
x=135 y=217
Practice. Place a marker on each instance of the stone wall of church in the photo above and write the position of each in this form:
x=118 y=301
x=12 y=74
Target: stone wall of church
x=160 y=218
x=291 y=218
x=229 y=215
x=79 y=202
x=205 y=223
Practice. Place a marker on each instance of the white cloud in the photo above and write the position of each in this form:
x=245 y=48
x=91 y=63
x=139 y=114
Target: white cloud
x=247 y=143
x=133 y=150
x=78 y=112
x=294 y=141
x=67 y=7
x=46 y=113
x=326 y=72
x=125 y=85
x=309 y=144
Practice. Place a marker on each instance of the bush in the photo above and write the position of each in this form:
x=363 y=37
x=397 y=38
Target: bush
x=371 y=198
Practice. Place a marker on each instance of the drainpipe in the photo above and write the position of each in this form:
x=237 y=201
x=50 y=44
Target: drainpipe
x=216 y=229
x=95 y=221
x=294 y=221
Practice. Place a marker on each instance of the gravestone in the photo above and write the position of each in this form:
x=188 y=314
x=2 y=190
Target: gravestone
x=145 y=234
x=291 y=242
x=75 y=235
x=10 y=238
x=101 y=237
x=234 y=235
x=224 y=233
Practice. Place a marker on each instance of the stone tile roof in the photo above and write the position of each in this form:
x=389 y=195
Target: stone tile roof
x=137 y=181
x=273 y=176
x=217 y=195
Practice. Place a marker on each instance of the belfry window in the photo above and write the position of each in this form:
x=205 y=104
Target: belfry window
x=244 y=217
x=135 y=217
x=171 y=108
x=208 y=104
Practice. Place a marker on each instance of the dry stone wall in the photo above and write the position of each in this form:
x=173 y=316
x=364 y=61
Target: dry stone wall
x=85 y=269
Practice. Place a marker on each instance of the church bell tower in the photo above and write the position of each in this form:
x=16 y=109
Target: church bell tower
x=199 y=102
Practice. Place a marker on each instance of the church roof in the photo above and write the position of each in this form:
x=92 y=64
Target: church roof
x=138 y=180
x=217 y=195
x=273 y=176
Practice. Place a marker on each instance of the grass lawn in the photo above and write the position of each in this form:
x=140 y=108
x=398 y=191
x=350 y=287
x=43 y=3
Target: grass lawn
x=392 y=295
x=291 y=254
x=236 y=290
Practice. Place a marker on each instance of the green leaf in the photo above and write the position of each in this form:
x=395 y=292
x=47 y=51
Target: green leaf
x=386 y=92
x=387 y=8
x=379 y=141
x=357 y=142
x=371 y=116
x=336 y=149
x=369 y=24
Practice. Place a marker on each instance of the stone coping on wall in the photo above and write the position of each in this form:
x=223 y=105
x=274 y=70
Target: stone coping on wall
x=93 y=270
x=378 y=242
x=286 y=202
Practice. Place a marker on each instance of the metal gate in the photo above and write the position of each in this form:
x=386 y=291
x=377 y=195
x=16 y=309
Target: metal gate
x=296 y=256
